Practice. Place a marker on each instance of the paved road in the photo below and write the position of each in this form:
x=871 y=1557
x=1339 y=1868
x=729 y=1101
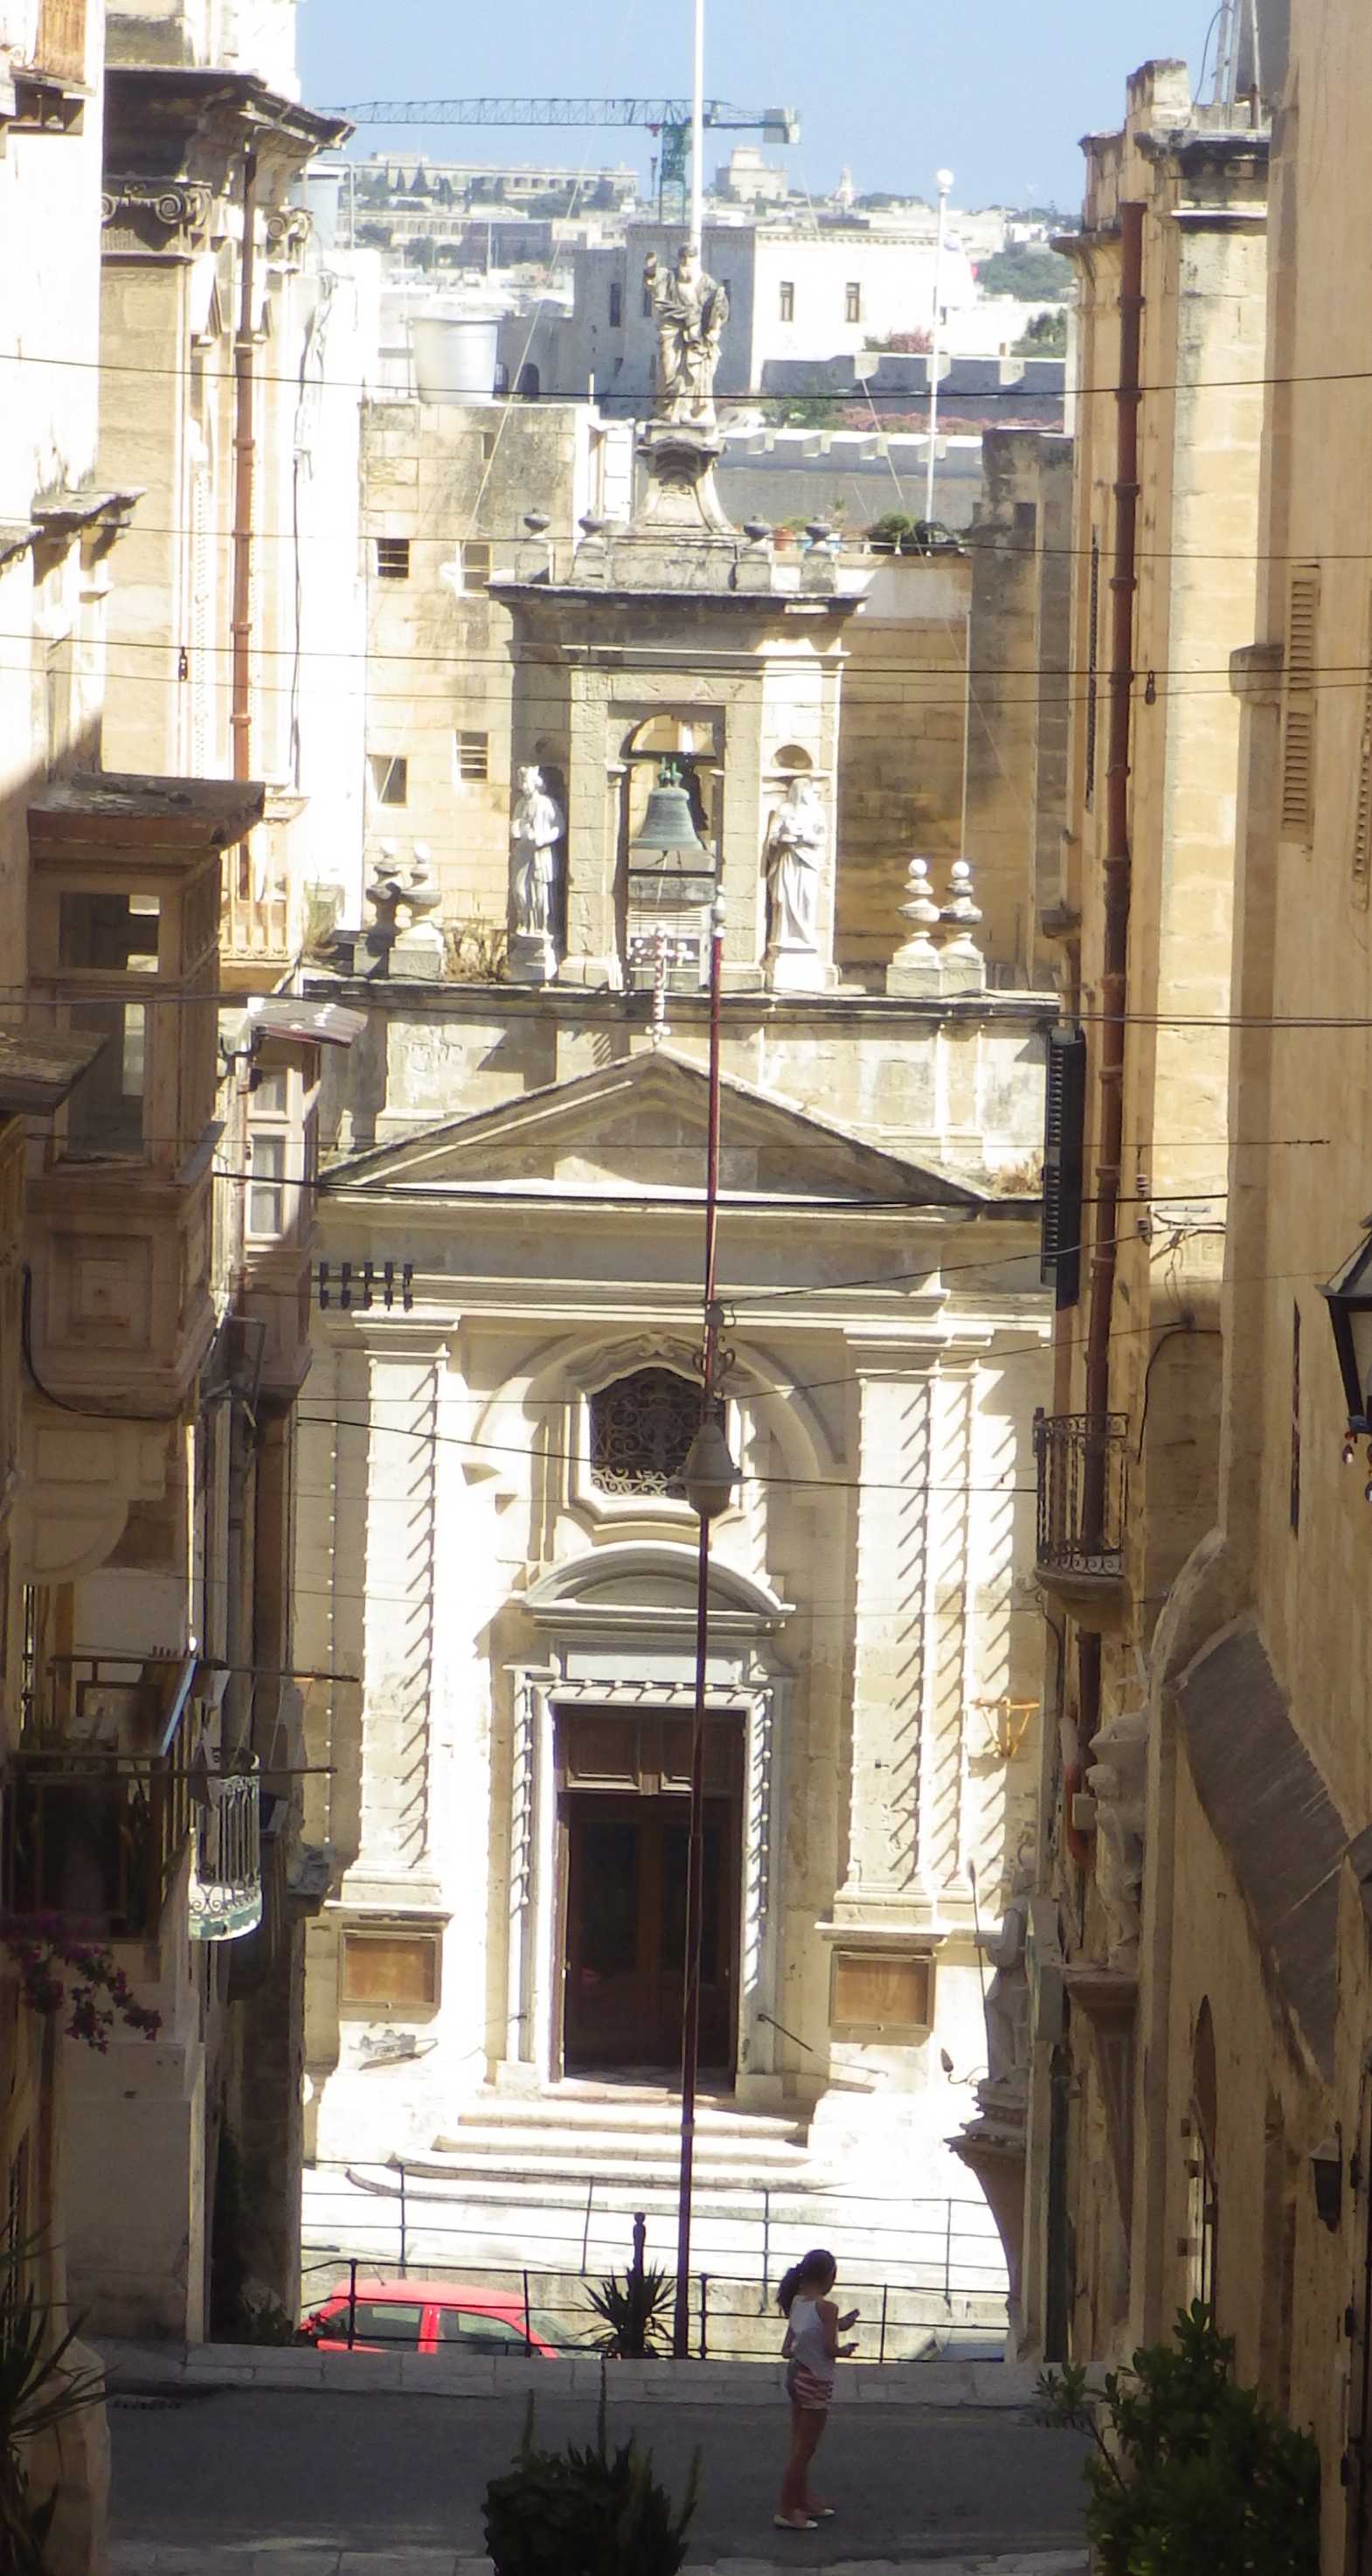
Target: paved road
x=376 y=2471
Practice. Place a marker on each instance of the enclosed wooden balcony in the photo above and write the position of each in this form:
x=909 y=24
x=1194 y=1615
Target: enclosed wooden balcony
x=124 y=949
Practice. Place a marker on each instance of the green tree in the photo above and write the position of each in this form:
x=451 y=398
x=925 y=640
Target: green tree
x=1029 y=270
x=1046 y=337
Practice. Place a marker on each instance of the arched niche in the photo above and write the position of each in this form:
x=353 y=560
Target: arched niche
x=677 y=735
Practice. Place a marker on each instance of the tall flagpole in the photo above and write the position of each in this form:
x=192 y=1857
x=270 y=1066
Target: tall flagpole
x=698 y=136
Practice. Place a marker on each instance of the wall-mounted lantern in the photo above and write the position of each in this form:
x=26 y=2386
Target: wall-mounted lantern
x=1326 y=2172
x=1349 y=1296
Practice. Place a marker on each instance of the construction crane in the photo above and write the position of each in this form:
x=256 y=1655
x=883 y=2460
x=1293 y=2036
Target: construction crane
x=668 y=117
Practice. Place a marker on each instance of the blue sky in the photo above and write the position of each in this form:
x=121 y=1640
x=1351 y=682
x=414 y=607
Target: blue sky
x=999 y=90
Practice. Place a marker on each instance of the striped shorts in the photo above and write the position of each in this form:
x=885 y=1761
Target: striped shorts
x=807 y=2390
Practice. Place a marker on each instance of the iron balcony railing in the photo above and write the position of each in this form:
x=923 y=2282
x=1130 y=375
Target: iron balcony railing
x=226 y=1881
x=1083 y=1493
x=95 y=1832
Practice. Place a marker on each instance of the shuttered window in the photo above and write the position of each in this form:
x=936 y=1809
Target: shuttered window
x=1064 y=1122
x=1092 y=667
x=1298 y=705
x=1362 y=812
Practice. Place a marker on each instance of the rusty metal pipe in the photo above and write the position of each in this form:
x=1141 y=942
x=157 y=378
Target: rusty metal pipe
x=244 y=475
x=1115 y=940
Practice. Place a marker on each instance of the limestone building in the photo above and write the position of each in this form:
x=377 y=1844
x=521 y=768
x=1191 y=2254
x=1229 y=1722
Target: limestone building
x=1248 y=2112
x=795 y=292
x=150 y=1346
x=1171 y=256
x=493 y=1537
x=955 y=682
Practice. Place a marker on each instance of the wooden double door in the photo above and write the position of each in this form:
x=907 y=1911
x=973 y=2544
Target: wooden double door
x=623 y=1781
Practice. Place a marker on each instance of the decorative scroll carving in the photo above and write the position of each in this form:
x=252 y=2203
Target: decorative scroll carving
x=170 y=216
x=287 y=231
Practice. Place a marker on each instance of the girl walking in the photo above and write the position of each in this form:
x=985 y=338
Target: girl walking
x=813 y=2327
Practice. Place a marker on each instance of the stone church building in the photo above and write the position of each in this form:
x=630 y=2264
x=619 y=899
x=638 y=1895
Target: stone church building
x=497 y=1557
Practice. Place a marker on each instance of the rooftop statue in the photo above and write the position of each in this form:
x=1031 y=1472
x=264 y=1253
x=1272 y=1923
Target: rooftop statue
x=690 y=309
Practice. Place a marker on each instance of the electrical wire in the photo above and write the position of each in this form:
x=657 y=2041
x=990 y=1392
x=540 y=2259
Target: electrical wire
x=852 y=394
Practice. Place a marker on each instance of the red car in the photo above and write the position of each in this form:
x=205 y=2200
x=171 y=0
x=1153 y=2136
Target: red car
x=433 y=2316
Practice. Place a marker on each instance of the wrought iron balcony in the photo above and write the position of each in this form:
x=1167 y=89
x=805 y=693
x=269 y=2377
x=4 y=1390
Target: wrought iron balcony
x=1083 y=1491
x=106 y=1793
x=95 y=1827
x=226 y=1880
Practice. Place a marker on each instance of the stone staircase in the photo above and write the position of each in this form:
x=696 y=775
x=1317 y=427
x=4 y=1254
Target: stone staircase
x=624 y=2138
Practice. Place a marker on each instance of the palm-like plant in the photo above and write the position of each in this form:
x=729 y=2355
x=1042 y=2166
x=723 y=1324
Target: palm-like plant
x=40 y=2390
x=636 y=2311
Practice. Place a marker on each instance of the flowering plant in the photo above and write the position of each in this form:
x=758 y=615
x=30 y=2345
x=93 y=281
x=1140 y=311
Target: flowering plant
x=61 y=1967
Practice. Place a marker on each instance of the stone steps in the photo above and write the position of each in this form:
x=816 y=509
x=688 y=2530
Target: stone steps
x=616 y=2135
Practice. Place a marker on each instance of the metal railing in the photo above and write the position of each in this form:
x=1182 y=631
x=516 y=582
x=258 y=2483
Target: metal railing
x=928 y=2274
x=92 y=1832
x=1083 y=1492
x=226 y=1881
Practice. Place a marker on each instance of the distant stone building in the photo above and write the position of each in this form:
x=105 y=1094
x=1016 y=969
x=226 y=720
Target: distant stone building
x=796 y=292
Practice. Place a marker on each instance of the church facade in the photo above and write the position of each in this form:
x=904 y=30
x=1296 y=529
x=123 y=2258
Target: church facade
x=498 y=1562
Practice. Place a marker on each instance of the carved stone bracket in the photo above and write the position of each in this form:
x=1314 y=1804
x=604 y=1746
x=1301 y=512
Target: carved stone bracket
x=288 y=231
x=171 y=216
x=1109 y=1999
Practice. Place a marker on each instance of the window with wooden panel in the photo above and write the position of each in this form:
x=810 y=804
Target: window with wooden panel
x=1064 y=1129
x=1092 y=669
x=1298 y=704
x=473 y=751
x=1362 y=806
x=881 y=1990
x=391 y=1971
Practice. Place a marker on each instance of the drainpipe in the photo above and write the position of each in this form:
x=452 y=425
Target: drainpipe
x=240 y=717
x=1115 y=942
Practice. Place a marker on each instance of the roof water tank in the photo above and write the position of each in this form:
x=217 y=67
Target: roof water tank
x=454 y=356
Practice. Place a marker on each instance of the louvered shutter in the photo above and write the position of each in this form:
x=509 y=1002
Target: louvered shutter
x=1298 y=705
x=1063 y=1124
x=1362 y=815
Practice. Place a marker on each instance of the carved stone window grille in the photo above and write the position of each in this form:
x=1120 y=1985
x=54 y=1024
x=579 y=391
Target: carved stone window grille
x=641 y=1429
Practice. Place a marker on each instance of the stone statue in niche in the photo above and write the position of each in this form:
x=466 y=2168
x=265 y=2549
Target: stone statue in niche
x=1117 y=1780
x=690 y=309
x=537 y=824
x=794 y=853
x=1007 y=1996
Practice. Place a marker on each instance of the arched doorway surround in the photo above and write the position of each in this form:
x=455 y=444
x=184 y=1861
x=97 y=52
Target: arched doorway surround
x=617 y=1627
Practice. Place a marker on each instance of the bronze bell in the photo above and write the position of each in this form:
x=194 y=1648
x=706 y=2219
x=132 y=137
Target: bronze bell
x=668 y=827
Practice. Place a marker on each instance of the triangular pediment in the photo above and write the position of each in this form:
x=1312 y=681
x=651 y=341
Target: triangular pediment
x=642 y=1124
